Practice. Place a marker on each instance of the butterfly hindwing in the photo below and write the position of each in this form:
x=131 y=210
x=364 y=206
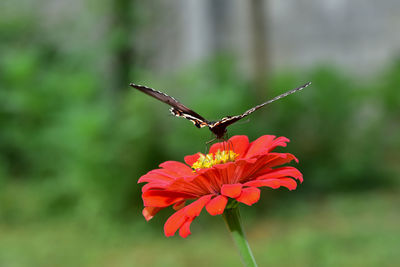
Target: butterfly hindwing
x=199 y=123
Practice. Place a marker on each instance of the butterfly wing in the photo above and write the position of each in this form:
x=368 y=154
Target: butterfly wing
x=248 y=112
x=178 y=109
x=219 y=127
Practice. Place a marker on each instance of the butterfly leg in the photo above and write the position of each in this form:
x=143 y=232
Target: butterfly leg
x=208 y=147
x=209 y=142
x=227 y=144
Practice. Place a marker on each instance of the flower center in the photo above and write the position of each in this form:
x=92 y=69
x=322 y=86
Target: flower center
x=209 y=160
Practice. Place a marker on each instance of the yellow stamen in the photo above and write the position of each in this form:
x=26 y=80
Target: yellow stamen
x=209 y=160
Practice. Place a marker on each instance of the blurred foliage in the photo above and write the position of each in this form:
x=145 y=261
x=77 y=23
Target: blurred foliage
x=71 y=148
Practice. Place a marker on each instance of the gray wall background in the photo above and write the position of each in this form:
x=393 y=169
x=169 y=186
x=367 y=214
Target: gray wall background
x=359 y=35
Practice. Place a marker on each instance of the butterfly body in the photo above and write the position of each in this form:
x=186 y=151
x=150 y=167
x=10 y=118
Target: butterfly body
x=218 y=128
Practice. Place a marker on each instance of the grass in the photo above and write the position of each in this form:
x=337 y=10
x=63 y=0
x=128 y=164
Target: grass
x=338 y=230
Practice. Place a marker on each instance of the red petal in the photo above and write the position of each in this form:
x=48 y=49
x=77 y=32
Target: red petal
x=240 y=144
x=193 y=185
x=177 y=167
x=194 y=209
x=269 y=160
x=249 y=195
x=217 y=205
x=280 y=141
x=274 y=183
x=174 y=222
x=280 y=158
x=156 y=185
x=179 y=205
x=184 y=231
x=231 y=190
x=162 y=198
x=149 y=212
x=157 y=175
x=260 y=146
x=228 y=173
x=191 y=159
x=281 y=173
x=219 y=146
x=288 y=183
x=188 y=213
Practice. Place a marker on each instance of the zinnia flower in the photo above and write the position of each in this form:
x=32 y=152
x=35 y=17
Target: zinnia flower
x=232 y=170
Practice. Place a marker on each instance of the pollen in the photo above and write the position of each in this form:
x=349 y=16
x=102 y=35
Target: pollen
x=209 y=160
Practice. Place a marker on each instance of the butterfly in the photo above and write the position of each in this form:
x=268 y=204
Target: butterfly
x=218 y=128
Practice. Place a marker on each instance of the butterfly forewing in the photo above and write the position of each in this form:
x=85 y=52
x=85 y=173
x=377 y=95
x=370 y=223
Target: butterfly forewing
x=248 y=112
x=219 y=127
x=169 y=100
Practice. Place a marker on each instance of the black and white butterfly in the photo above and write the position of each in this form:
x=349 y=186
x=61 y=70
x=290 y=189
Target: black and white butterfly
x=218 y=128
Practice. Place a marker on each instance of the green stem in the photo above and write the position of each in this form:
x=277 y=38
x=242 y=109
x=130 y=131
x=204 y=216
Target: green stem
x=233 y=221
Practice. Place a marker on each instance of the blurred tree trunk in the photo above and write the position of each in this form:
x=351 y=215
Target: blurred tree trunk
x=122 y=52
x=219 y=11
x=260 y=58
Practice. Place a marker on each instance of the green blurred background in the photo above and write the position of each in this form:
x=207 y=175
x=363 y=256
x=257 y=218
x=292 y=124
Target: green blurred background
x=75 y=138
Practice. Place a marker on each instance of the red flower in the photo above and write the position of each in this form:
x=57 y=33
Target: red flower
x=233 y=169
